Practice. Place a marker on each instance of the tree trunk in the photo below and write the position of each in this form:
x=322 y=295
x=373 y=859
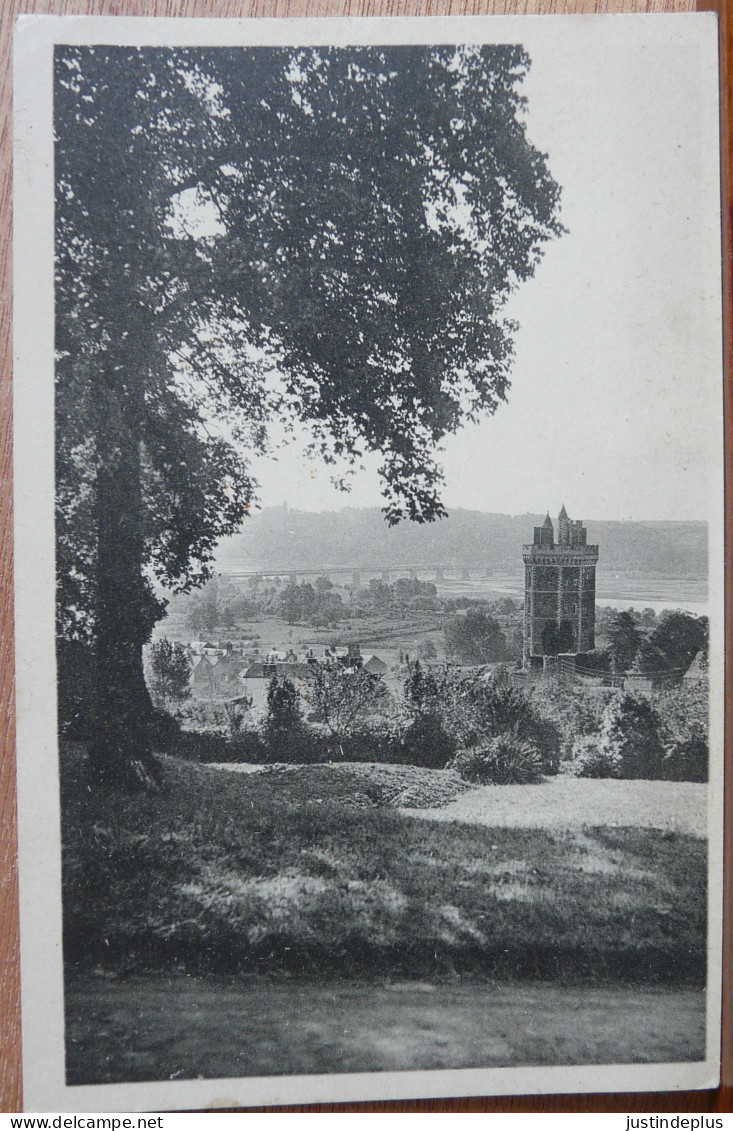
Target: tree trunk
x=125 y=606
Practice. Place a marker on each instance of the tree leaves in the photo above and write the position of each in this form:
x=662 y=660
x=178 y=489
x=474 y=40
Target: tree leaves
x=374 y=207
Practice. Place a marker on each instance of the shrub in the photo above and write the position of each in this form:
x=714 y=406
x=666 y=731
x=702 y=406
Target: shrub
x=286 y=737
x=500 y=676
x=471 y=709
x=631 y=732
x=687 y=761
x=215 y=732
x=545 y=737
x=505 y=760
x=205 y=716
x=426 y=743
x=170 y=672
x=206 y=746
x=573 y=711
x=592 y=760
x=628 y=746
x=300 y=746
x=684 y=710
x=497 y=710
x=365 y=744
x=283 y=705
x=345 y=701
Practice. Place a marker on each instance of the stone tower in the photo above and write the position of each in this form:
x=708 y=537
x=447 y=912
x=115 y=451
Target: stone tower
x=559 y=591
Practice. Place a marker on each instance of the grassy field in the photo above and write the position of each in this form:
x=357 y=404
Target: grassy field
x=179 y=1027
x=304 y=873
x=566 y=802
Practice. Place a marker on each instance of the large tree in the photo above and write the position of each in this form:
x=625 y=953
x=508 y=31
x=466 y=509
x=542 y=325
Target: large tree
x=475 y=638
x=318 y=235
x=624 y=640
x=670 y=649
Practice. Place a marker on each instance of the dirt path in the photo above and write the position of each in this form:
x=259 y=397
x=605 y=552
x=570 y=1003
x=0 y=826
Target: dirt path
x=566 y=803
x=158 y=1027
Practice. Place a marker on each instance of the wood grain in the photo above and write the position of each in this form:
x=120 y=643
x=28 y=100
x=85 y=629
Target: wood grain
x=10 y=1041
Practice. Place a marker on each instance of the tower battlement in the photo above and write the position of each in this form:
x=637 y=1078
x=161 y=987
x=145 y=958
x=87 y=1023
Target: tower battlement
x=559 y=590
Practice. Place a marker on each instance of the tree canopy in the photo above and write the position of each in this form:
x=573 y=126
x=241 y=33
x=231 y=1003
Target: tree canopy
x=624 y=640
x=170 y=672
x=475 y=638
x=318 y=235
x=670 y=649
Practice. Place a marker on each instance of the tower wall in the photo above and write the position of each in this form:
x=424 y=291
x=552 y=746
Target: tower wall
x=559 y=589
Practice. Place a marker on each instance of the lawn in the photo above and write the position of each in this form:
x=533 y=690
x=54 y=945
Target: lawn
x=297 y=872
x=179 y=1027
x=568 y=802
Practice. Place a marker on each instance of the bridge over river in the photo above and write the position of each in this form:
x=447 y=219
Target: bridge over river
x=357 y=575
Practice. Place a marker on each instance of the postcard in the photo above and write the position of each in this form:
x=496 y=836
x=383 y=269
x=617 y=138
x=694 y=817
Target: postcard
x=369 y=555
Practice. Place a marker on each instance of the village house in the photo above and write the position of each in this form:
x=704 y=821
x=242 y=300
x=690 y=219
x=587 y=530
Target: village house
x=216 y=676
x=375 y=666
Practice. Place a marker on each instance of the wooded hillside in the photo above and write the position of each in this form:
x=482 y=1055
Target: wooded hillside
x=277 y=536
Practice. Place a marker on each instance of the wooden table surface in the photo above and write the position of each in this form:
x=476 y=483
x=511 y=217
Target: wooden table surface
x=10 y=1038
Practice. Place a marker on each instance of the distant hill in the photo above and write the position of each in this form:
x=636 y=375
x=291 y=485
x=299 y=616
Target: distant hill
x=279 y=537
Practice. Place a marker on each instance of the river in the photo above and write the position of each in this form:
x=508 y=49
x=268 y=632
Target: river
x=619 y=591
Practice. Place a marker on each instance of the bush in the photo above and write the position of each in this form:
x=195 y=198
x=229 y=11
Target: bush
x=206 y=746
x=205 y=716
x=574 y=711
x=684 y=709
x=426 y=743
x=345 y=701
x=505 y=760
x=299 y=745
x=592 y=760
x=545 y=737
x=470 y=710
x=170 y=672
x=631 y=732
x=497 y=710
x=687 y=761
x=628 y=746
x=364 y=744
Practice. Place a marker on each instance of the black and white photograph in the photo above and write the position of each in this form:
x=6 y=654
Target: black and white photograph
x=368 y=403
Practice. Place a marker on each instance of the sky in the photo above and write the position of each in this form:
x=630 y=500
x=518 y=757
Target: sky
x=617 y=382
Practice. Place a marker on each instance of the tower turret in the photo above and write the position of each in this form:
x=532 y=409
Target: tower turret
x=545 y=535
x=563 y=528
